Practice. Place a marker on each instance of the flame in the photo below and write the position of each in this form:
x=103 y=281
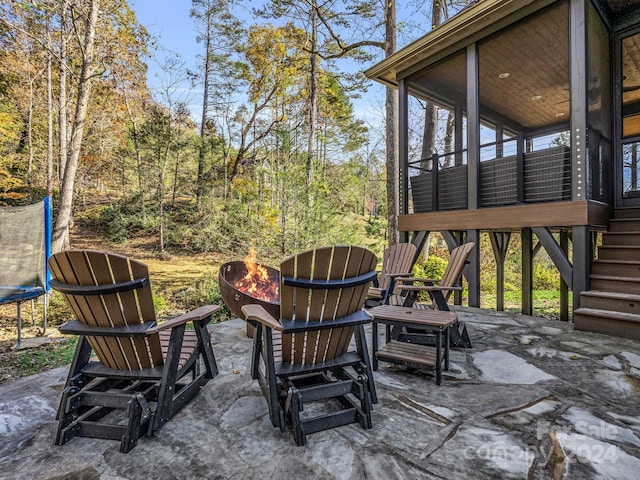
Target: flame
x=256 y=283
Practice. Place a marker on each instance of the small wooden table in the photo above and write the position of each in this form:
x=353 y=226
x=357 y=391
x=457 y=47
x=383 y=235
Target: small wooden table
x=413 y=354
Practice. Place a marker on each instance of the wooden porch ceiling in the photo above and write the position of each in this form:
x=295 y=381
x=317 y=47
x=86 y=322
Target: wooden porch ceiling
x=524 y=73
x=523 y=62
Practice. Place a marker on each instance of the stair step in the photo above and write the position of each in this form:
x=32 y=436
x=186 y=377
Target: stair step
x=624 y=225
x=612 y=301
x=626 y=212
x=621 y=238
x=611 y=283
x=619 y=324
x=625 y=268
x=619 y=252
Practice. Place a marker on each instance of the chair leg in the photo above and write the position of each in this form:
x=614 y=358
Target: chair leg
x=459 y=336
x=361 y=346
x=204 y=339
x=364 y=395
x=66 y=415
x=169 y=377
x=257 y=350
x=74 y=377
x=137 y=412
x=294 y=399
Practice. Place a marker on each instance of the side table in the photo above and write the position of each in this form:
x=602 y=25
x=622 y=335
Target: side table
x=412 y=354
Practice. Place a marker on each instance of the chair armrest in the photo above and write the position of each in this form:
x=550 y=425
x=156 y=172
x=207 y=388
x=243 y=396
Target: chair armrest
x=396 y=275
x=429 y=288
x=257 y=313
x=375 y=292
x=74 y=327
x=359 y=317
x=424 y=281
x=198 y=314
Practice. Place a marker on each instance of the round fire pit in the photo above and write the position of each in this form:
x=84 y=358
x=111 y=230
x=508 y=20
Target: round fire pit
x=230 y=273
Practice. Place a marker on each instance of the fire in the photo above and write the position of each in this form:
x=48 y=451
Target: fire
x=256 y=283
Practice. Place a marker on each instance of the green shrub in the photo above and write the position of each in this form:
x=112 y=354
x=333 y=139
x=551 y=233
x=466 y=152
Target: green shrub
x=545 y=277
x=204 y=291
x=433 y=268
x=114 y=223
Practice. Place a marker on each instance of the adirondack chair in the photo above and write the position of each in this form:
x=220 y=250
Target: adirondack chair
x=397 y=261
x=305 y=355
x=439 y=292
x=145 y=370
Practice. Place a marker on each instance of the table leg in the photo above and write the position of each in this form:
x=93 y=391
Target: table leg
x=439 y=357
x=374 y=344
x=447 y=345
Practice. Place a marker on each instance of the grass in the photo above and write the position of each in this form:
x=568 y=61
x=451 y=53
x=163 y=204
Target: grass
x=50 y=356
x=545 y=302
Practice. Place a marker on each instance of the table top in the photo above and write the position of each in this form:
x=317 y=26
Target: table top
x=416 y=316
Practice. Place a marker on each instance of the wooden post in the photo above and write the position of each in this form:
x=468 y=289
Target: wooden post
x=527 y=271
x=581 y=238
x=564 y=290
x=500 y=244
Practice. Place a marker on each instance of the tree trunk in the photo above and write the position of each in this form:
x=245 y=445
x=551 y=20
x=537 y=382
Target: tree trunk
x=429 y=136
x=205 y=113
x=448 y=140
x=391 y=107
x=313 y=99
x=61 y=229
x=62 y=94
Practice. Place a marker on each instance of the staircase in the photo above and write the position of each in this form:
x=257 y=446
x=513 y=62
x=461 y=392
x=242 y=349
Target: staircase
x=612 y=306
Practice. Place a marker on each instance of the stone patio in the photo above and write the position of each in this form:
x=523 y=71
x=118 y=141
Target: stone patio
x=533 y=399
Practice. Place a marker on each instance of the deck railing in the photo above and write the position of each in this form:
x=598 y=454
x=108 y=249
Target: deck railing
x=519 y=177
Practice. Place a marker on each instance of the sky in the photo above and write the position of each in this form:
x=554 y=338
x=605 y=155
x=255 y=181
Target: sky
x=169 y=21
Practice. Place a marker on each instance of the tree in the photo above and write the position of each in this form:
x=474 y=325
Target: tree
x=219 y=29
x=87 y=75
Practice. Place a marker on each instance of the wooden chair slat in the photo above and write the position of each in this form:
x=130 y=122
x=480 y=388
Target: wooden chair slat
x=94 y=312
x=102 y=274
x=287 y=268
x=148 y=351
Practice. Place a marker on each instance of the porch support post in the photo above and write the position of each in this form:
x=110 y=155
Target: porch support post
x=473 y=126
x=527 y=271
x=564 y=289
x=578 y=97
x=581 y=238
x=473 y=162
x=403 y=145
x=500 y=245
x=403 y=153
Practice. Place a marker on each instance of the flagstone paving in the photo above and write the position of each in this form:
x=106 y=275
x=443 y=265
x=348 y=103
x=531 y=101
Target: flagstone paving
x=533 y=399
